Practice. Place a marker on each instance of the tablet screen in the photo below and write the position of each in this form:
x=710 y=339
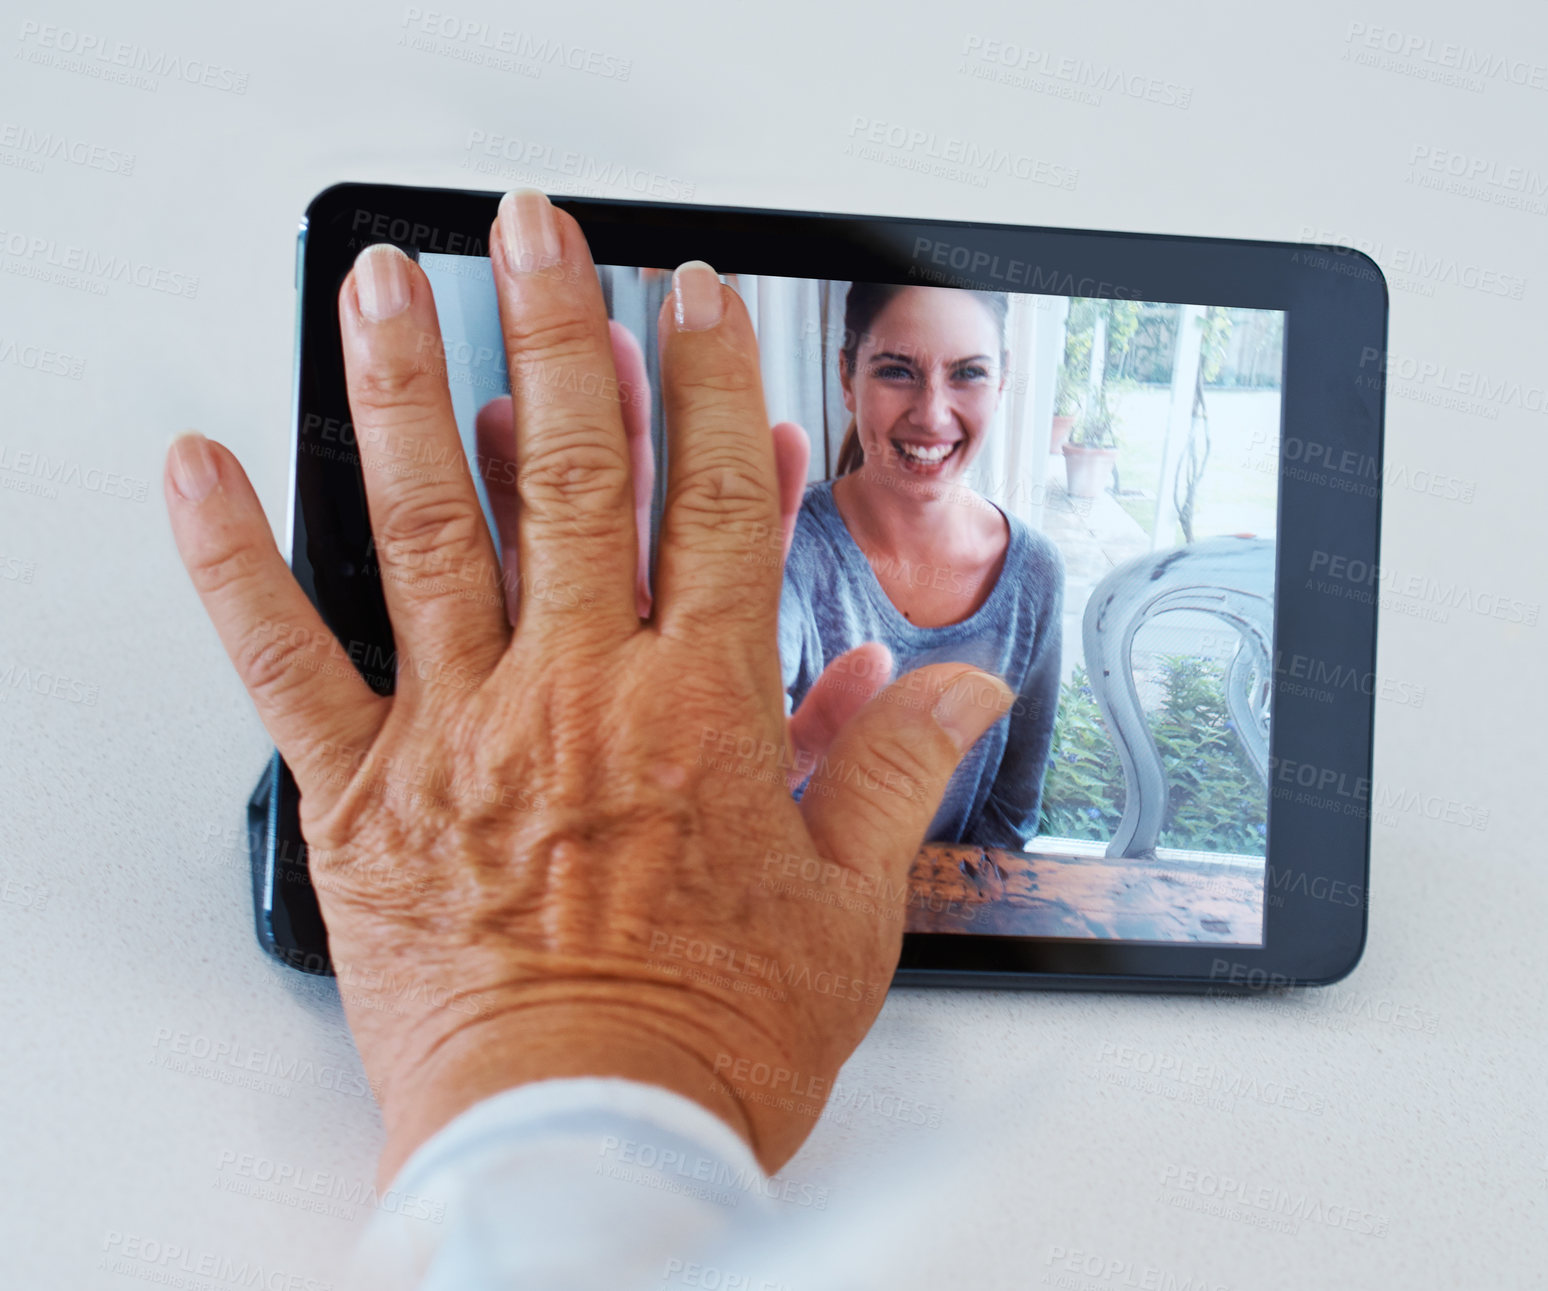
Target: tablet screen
x=1076 y=494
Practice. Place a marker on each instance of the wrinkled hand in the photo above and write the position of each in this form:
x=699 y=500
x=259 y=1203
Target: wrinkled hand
x=845 y=684
x=551 y=851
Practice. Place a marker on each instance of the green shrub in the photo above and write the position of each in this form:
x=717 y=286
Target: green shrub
x=1215 y=801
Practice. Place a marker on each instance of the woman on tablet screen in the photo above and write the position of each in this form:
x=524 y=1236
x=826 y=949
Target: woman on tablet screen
x=897 y=548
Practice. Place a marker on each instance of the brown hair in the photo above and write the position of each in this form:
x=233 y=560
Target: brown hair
x=864 y=301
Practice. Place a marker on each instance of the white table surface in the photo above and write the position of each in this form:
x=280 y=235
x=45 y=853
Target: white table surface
x=1411 y=1093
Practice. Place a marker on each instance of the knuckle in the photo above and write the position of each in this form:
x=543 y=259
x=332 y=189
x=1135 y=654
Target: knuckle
x=272 y=664
x=575 y=463
x=735 y=621
x=715 y=484
x=217 y=569
x=724 y=475
x=725 y=385
x=426 y=517
x=898 y=764
x=393 y=385
x=536 y=337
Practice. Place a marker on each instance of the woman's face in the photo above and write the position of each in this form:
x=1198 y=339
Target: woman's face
x=926 y=381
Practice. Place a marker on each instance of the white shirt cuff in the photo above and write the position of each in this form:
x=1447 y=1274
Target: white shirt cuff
x=564 y=1184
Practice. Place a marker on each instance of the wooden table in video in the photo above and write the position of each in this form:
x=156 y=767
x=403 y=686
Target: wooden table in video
x=971 y=890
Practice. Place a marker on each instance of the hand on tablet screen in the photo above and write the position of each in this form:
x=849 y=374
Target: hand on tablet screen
x=847 y=683
x=552 y=851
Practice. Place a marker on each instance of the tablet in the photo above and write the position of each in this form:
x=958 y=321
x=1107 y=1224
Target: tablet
x=1172 y=447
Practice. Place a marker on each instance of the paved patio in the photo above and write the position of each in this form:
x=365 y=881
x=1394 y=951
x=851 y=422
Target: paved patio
x=1095 y=536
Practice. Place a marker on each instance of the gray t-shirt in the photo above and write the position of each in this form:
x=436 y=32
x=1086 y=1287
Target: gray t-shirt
x=832 y=602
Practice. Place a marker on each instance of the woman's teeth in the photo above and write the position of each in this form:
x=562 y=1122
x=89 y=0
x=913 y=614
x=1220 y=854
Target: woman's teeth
x=925 y=455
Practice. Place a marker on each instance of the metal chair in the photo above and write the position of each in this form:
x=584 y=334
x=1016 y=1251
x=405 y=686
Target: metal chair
x=1229 y=578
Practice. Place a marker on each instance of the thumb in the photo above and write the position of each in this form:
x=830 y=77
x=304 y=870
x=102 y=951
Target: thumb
x=872 y=797
x=836 y=696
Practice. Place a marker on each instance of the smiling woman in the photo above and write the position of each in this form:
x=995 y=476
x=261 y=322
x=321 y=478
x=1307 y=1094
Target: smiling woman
x=898 y=550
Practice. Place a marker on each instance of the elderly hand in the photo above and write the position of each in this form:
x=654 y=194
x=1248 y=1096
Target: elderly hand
x=549 y=852
x=844 y=685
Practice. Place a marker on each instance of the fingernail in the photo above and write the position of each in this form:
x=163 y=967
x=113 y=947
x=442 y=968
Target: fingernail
x=696 y=298
x=529 y=231
x=970 y=706
x=194 y=473
x=382 y=281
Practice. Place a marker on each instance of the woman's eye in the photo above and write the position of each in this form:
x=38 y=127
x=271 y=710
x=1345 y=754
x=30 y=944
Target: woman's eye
x=972 y=372
x=893 y=372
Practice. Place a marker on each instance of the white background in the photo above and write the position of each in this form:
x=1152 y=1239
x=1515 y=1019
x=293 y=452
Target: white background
x=1408 y=1098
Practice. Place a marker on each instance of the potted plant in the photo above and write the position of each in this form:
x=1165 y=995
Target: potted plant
x=1092 y=450
x=1066 y=409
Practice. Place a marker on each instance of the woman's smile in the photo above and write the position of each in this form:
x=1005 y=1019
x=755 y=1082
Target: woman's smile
x=925 y=457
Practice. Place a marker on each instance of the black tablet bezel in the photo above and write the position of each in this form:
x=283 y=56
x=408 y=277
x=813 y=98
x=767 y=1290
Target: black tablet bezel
x=1335 y=302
